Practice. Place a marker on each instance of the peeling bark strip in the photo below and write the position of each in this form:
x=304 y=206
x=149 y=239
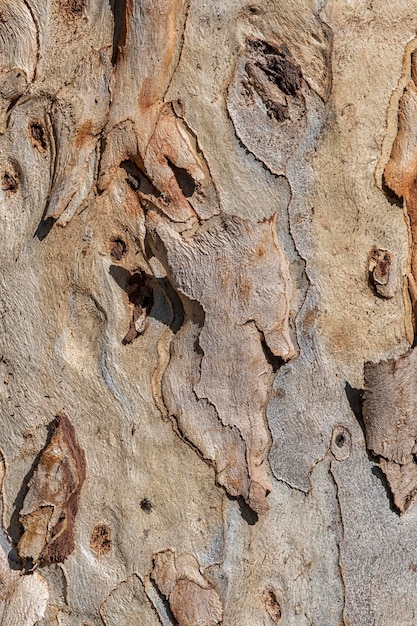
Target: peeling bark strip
x=401 y=170
x=192 y=599
x=389 y=411
x=236 y=290
x=128 y=605
x=146 y=129
x=51 y=504
x=23 y=598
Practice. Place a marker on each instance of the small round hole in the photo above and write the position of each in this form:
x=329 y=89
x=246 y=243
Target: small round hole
x=146 y=505
x=340 y=440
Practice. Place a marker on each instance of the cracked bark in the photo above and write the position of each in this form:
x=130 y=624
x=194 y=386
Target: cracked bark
x=209 y=265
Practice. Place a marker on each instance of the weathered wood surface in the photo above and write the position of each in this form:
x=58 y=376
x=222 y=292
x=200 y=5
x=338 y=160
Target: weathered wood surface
x=208 y=252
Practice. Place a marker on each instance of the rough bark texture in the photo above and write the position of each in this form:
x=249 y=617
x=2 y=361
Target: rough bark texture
x=208 y=217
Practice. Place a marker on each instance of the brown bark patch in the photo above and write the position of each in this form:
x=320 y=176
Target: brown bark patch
x=382 y=272
x=192 y=599
x=10 y=179
x=277 y=63
x=84 y=134
x=191 y=605
x=101 y=541
x=37 y=133
x=51 y=502
x=118 y=248
x=272 y=606
x=389 y=410
x=73 y=8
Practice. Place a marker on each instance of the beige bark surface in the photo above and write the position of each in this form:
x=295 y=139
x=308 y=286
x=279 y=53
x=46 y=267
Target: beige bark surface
x=207 y=312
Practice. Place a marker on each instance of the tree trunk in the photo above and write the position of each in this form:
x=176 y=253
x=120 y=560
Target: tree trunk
x=209 y=253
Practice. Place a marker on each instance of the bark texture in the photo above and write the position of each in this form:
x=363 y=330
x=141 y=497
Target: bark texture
x=208 y=217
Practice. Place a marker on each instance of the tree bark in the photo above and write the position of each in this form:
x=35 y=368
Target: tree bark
x=207 y=312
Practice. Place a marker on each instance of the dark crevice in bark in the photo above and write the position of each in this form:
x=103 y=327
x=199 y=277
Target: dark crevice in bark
x=44 y=228
x=119 y=17
x=275 y=361
x=246 y=512
x=391 y=196
x=137 y=179
x=355 y=397
x=185 y=181
x=340 y=541
x=139 y=290
x=377 y=471
x=165 y=602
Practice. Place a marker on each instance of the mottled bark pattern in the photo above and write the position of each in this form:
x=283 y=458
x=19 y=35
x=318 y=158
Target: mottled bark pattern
x=206 y=265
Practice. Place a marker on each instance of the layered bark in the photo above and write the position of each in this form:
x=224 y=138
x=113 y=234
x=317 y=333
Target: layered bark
x=208 y=254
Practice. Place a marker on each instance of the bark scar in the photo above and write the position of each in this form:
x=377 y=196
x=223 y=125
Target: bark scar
x=51 y=502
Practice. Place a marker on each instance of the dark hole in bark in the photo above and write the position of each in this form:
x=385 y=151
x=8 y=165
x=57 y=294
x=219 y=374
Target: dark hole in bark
x=246 y=512
x=133 y=175
x=139 y=289
x=184 y=179
x=44 y=228
x=137 y=179
x=118 y=248
x=38 y=136
x=146 y=505
x=340 y=440
x=278 y=65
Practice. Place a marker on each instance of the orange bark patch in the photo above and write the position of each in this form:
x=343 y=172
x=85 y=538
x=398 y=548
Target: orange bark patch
x=84 y=134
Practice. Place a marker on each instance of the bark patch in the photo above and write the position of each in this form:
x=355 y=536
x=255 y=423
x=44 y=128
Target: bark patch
x=101 y=541
x=400 y=174
x=140 y=295
x=389 y=410
x=192 y=599
x=272 y=606
x=234 y=283
x=382 y=272
x=51 y=502
x=10 y=179
x=37 y=133
x=73 y=8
